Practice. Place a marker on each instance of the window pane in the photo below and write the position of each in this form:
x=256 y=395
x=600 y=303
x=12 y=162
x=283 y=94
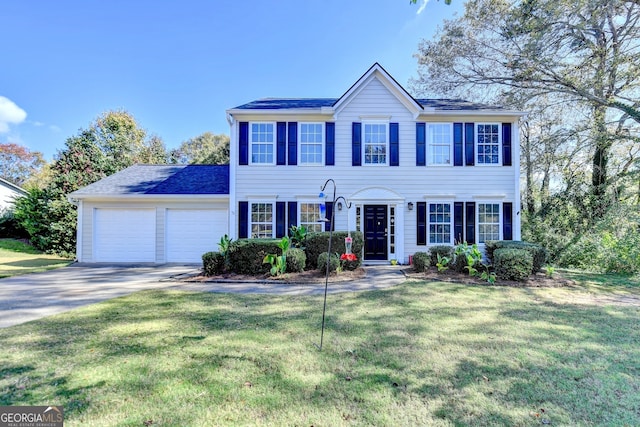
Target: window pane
x=439 y=223
x=488 y=143
x=488 y=222
x=310 y=216
x=261 y=220
x=375 y=143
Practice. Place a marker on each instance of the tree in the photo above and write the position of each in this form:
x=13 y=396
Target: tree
x=203 y=149
x=18 y=163
x=111 y=143
x=580 y=52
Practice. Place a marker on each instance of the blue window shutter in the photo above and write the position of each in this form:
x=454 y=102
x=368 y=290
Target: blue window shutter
x=293 y=143
x=469 y=152
x=281 y=143
x=421 y=144
x=243 y=220
x=327 y=225
x=421 y=212
x=243 y=143
x=506 y=144
x=507 y=221
x=457 y=144
x=458 y=222
x=330 y=144
x=394 y=145
x=470 y=217
x=281 y=219
x=292 y=214
x=356 y=144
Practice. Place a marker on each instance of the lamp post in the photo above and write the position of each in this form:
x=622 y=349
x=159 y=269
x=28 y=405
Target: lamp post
x=331 y=224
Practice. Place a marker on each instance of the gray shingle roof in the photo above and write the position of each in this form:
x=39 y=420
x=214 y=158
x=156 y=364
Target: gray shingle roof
x=293 y=103
x=162 y=180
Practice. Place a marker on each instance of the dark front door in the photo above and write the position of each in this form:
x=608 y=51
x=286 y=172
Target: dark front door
x=375 y=232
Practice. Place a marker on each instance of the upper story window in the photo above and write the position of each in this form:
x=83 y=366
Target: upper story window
x=439 y=142
x=488 y=222
x=311 y=143
x=488 y=143
x=375 y=143
x=262 y=137
x=310 y=217
x=261 y=220
x=440 y=219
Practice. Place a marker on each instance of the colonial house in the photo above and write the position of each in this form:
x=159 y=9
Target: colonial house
x=412 y=173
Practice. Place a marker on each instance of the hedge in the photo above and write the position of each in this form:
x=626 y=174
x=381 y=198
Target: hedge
x=538 y=253
x=421 y=261
x=296 y=260
x=318 y=243
x=213 y=263
x=442 y=250
x=246 y=255
x=512 y=263
x=321 y=262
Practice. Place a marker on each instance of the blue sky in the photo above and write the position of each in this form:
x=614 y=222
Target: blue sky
x=178 y=65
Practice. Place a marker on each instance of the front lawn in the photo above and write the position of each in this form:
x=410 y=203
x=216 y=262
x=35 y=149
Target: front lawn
x=19 y=258
x=418 y=354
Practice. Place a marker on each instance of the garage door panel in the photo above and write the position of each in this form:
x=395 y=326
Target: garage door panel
x=192 y=232
x=125 y=235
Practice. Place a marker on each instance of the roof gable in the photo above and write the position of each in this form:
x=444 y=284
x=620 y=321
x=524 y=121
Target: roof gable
x=377 y=72
x=11 y=186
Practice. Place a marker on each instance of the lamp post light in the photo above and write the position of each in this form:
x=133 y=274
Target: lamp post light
x=331 y=222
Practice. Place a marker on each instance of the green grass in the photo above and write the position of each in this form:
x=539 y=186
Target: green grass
x=419 y=354
x=19 y=258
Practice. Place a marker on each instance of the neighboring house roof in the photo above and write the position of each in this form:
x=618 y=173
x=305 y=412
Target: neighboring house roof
x=13 y=187
x=170 y=180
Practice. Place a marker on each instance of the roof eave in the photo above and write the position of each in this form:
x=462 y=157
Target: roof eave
x=145 y=197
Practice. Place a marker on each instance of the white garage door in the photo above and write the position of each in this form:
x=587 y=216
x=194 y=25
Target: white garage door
x=125 y=235
x=192 y=232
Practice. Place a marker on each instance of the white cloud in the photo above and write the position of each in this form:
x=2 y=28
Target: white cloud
x=422 y=6
x=10 y=114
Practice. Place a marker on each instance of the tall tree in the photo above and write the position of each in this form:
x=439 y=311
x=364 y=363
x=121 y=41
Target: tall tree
x=203 y=149
x=18 y=163
x=581 y=52
x=111 y=143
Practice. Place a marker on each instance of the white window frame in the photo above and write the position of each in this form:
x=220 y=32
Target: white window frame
x=273 y=218
x=429 y=144
x=273 y=144
x=322 y=144
x=317 y=222
x=478 y=223
x=477 y=144
x=364 y=144
x=451 y=227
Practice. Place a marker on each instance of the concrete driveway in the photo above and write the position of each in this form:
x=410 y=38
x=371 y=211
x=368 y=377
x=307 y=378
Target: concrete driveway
x=33 y=296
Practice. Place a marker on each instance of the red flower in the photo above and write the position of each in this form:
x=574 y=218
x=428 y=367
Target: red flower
x=348 y=257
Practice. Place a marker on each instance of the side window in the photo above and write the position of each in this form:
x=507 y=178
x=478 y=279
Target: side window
x=440 y=223
x=261 y=224
x=439 y=143
x=311 y=140
x=262 y=142
x=488 y=222
x=488 y=143
x=309 y=217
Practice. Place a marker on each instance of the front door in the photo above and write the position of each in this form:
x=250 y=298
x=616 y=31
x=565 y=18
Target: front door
x=375 y=232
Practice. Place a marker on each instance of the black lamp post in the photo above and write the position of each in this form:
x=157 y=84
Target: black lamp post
x=331 y=224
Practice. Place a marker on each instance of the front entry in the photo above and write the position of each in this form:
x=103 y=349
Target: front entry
x=375 y=232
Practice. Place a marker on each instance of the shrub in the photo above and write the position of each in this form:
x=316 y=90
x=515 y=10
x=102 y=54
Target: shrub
x=467 y=256
x=513 y=263
x=538 y=253
x=317 y=243
x=246 y=256
x=10 y=226
x=421 y=261
x=296 y=260
x=442 y=250
x=213 y=263
x=334 y=262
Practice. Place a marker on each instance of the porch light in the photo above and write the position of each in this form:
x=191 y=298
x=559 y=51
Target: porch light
x=410 y=206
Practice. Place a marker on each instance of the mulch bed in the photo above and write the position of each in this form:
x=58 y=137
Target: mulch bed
x=310 y=276
x=538 y=280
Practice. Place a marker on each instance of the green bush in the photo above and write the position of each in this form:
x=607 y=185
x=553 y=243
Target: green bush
x=442 y=250
x=334 y=262
x=246 y=256
x=296 y=260
x=512 y=263
x=317 y=243
x=538 y=253
x=421 y=261
x=463 y=253
x=213 y=263
x=10 y=227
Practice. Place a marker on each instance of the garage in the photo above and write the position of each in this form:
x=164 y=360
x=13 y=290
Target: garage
x=124 y=235
x=192 y=232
